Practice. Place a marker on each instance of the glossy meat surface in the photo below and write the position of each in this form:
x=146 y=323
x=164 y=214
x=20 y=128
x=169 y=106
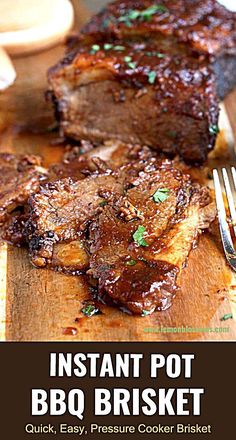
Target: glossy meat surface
x=60 y=212
x=202 y=29
x=141 y=241
x=127 y=218
x=136 y=93
x=205 y=25
x=20 y=177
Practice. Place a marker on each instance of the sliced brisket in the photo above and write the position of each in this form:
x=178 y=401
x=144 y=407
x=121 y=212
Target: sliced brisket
x=140 y=241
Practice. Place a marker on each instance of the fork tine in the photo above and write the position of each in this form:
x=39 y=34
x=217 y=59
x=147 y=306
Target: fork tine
x=224 y=227
x=230 y=199
x=234 y=175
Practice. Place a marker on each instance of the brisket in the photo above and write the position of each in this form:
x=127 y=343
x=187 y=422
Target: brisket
x=135 y=93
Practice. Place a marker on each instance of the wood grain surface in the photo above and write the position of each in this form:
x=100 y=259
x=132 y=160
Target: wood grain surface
x=40 y=304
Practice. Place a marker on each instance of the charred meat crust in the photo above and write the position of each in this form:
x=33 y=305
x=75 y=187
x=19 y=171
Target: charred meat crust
x=20 y=177
x=138 y=95
x=207 y=26
x=204 y=27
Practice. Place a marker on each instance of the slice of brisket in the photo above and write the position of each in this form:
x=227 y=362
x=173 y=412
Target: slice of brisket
x=131 y=226
x=59 y=214
x=140 y=241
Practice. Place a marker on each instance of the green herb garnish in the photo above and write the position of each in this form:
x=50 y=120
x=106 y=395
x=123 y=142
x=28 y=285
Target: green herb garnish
x=161 y=195
x=107 y=46
x=131 y=263
x=130 y=16
x=127 y=59
x=214 y=129
x=90 y=310
x=147 y=312
x=119 y=48
x=149 y=12
x=227 y=316
x=143 y=15
x=152 y=77
x=155 y=54
x=130 y=63
x=138 y=236
x=95 y=48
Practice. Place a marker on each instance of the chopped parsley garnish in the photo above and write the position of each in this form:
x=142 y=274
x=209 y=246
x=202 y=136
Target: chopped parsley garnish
x=130 y=63
x=107 y=46
x=149 y=12
x=90 y=310
x=130 y=16
x=138 y=236
x=161 y=195
x=147 y=312
x=143 y=15
x=214 y=129
x=95 y=48
x=227 y=316
x=119 y=48
x=131 y=263
x=155 y=54
x=152 y=77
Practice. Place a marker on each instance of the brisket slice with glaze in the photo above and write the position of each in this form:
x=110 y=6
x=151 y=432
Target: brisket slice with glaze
x=135 y=93
x=139 y=243
x=203 y=27
x=59 y=213
x=132 y=227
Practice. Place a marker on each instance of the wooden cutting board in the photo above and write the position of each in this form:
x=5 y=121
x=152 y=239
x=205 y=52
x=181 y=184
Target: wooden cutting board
x=38 y=304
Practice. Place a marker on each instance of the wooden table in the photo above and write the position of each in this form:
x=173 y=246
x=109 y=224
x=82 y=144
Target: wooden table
x=41 y=303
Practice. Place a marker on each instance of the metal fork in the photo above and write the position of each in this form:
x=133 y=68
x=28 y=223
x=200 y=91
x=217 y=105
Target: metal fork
x=227 y=241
